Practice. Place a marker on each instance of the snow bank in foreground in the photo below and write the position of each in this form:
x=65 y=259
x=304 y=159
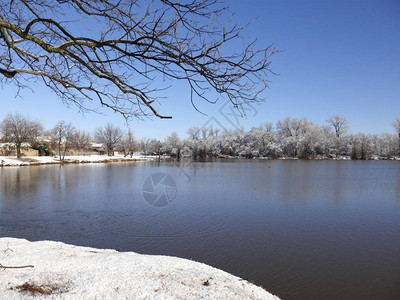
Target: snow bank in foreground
x=71 y=272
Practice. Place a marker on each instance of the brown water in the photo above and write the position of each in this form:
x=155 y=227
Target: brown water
x=301 y=229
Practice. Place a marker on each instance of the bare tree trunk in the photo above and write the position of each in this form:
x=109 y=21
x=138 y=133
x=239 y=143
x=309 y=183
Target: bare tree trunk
x=59 y=151
x=65 y=150
x=18 y=147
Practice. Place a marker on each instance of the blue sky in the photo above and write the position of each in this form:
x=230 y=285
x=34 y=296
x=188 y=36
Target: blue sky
x=339 y=57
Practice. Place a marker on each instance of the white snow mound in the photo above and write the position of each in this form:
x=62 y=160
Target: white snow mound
x=64 y=271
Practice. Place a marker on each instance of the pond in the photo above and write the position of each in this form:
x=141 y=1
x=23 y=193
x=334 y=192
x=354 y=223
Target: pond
x=300 y=229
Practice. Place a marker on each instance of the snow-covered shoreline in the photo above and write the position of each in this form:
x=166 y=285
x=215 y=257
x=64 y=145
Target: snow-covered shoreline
x=12 y=161
x=64 y=271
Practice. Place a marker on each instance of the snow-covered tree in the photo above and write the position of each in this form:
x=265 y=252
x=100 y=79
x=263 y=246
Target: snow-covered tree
x=361 y=147
x=289 y=133
x=154 y=147
x=339 y=124
x=340 y=127
x=264 y=142
x=310 y=140
x=192 y=144
x=396 y=125
x=328 y=142
x=144 y=146
x=172 y=145
x=384 y=145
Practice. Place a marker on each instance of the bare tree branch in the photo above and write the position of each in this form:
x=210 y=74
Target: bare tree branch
x=15 y=267
x=134 y=44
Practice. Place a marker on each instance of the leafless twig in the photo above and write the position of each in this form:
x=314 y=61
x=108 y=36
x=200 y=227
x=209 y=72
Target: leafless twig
x=15 y=267
x=134 y=43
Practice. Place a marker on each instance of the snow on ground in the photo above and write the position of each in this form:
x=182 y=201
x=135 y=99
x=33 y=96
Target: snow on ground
x=39 y=160
x=64 y=271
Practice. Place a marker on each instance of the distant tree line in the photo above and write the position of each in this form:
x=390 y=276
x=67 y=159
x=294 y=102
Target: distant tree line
x=288 y=138
x=18 y=131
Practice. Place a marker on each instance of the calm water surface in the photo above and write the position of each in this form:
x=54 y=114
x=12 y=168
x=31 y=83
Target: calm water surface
x=301 y=229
